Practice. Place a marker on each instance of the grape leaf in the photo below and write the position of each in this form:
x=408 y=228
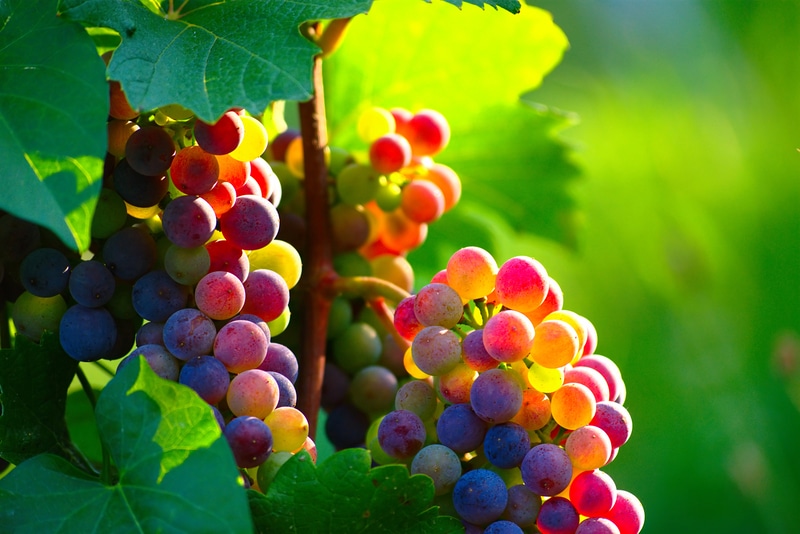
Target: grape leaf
x=512 y=6
x=53 y=110
x=176 y=472
x=214 y=55
x=33 y=397
x=348 y=497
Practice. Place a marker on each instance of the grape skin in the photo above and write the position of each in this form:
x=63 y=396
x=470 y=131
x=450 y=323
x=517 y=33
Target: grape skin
x=480 y=496
x=250 y=440
x=87 y=334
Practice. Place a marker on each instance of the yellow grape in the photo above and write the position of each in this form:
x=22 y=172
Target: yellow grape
x=411 y=367
x=142 y=213
x=554 y=344
x=471 y=271
x=573 y=406
x=279 y=324
x=289 y=428
x=545 y=379
x=576 y=322
x=281 y=257
x=374 y=123
x=254 y=142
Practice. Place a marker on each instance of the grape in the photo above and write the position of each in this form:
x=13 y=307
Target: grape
x=615 y=420
x=627 y=513
x=126 y=336
x=265 y=177
x=158 y=358
x=241 y=345
x=289 y=428
x=555 y=344
x=389 y=153
x=109 y=214
x=401 y=119
x=221 y=197
x=251 y=223
x=373 y=123
x=120 y=108
x=186 y=265
x=346 y=426
x=588 y=448
x=350 y=227
x=45 y=272
x=266 y=294
x=250 y=440
x=523 y=506
x=225 y=256
x=277 y=147
x=590 y=378
x=593 y=493
x=130 y=253
x=422 y=201
x=254 y=141
x=454 y=386
x=438 y=305
x=281 y=359
x=150 y=333
x=194 y=171
x=439 y=463
x=597 y=525
x=428 y=132
x=340 y=317
x=91 y=284
x=221 y=137
x=392 y=354
x=33 y=316
x=207 y=376
x=218 y=417
x=220 y=295
x=118 y=133
x=188 y=221
x=405 y=319
x=287 y=394
x=546 y=469
x=233 y=171
x=535 y=411
x=508 y=336
x=521 y=284
x=189 y=333
x=401 y=434
x=416 y=396
x=253 y=392
x=388 y=197
x=606 y=367
x=400 y=234
x=557 y=516
x=87 y=334
x=267 y=471
x=281 y=257
x=436 y=350
x=156 y=296
x=150 y=150
x=357 y=184
x=577 y=322
x=553 y=301
x=250 y=187
x=137 y=189
x=506 y=444
x=447 y=181
x=460 y=429
x=545 y=379
x=475 y=354
x=496 y=395
x=573 y=406
x=480 y=496
x=502 y=527
x=395 y=269
x=471 y=271
x=357 y=347
x=373 y=389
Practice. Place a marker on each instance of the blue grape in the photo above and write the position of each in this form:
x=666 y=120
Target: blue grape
x=156 y=296
x=138 y=189
x=91 y=284
x=45 y=272
x=189 y=333
x=188 y=221
x=250 y=440
x=557 y=516
x=460 y=428
x=496 y=395
x=87 y=334
x=207 y=376
x=287 y=395
x=346 y=426
x=506 y=445
x=546 y=469
x=502 y=527
x=480 y=496
x=523 y=506
x=150 y=333
x=130 y=253
x=401 y=434
x=160 y=360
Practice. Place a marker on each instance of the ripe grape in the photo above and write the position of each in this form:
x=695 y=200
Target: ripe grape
x=289 y=428
x=150 y=333
x=606 y=367
x=535 y=411
x=87 y=334
x=130 y=253
x=281 y=359
x=428 y=132
x=401 y=434
x=436 y=350
x=475 y=354
x=508 y=336
x=496 y=395
x=287 y=394
x=137 y=189
x=253 y=392
x=438 y=305
x=346 y=426
x=557 y=516
x=593 y=493
x=588 y=448
x=455 y=385
x=250 y=440
x=523 y=506
x=194 y=171
x=225 y=256
x=590 y=378
x=189 y=221
x=220 y=295
x=277 y=147
x=627 y=513
x=555 y=344
x=422 y=201
x=521 y=284
x=471 y=271
x=447 y=181
x=553 y=301
x=441 y=464
x=118 y=133
x=222 y=136
x=573 y=406
x=241 y=345
x=91 y=284
x=389 y=153
x=233 y=171
x=120 y=108
x=502 y=527
x=350 y=227
x=221 y=197
x=266 y=294
x=189 y=333
x=156 y=296
x=460 y=429
x=45 y=272
x=506 y=444
x=615 y=420
x=480 y=496
x=405 y=319
x=597 y=525
x=158 y=358
x=546 y=469
x=251 y=223
x=207 y=376
x=150 y=150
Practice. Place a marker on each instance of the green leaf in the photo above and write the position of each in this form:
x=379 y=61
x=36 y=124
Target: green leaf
x=512 y=6
x=82 y=425
x=176 y=472
x=33 y=396
x=347 y=496
x=53 y=110
x=214 y=55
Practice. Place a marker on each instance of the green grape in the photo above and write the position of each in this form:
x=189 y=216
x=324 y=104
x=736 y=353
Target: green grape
x=280 y=323
x=356 y=347
x=340 y=316
x=267 y=471
x=34 y=315
x=389 y=196
x=357 y=184
x=109 y=214
x=340 y=158
x=187 y=265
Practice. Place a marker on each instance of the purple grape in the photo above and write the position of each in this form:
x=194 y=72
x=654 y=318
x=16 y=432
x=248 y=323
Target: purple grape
x=267 y=294
x=335 y=384
x=188 y=221
x=138 y=189
x=160 y=360
x=241 y=346
x=506 y=445
x=597 y=525
x=287 y=393
x=503 y=527
x=401 y=434
x=460 y=428
x=207 y=376
x=156 y=296
x=150 y=333
x=189 y=333
x=280 y=359
x=496 y=395
x=615 y=420
x=480 y=496
x=87 y=334
x=45 y=272
x=523 y=506
x=250 y=440
x=91 y=284
x=150 y=150
x=557 y=516
x=252 y=223
x=130 y=253
x=218 y=417
x=546 y=469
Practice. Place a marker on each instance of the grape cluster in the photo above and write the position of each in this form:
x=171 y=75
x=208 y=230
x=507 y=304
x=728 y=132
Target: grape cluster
x=511 y=411
x=184 y=271
x=382 y=201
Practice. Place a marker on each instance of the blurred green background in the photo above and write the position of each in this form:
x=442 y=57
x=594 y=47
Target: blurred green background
x=683 y=246
x=689 y=260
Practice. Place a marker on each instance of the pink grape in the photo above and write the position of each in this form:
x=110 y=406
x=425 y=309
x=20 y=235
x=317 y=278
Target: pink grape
x=588 y=447
x=508 y=336
x=220 y=295
x=590 y=378
x=438 y=305
x=222 y=136
x=225 y=256
x=194 y=171
x=447 y=181
x=521 y=284
x=266 y=294
x=405 y=319
x=422 y=201
x=593 y=493
x=188 y=221
x=606 y=367
x=240 y=345
x=627 y=513
x=615 y=420
x=553 y=301
x=251 y=224
x=597 y=525
x=389 y=153
x=253 y=392
x=428 y=132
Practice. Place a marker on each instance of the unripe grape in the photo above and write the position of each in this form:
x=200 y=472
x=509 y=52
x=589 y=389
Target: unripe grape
x=254 y=141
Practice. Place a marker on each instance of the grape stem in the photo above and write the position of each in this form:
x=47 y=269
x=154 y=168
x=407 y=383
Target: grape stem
x=105 y=474
x=368 y=288
x=386 y=317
